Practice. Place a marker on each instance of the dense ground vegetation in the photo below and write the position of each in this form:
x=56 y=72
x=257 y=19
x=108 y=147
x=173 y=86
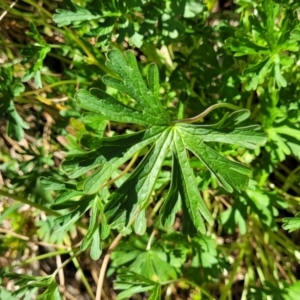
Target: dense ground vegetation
x=149 y=149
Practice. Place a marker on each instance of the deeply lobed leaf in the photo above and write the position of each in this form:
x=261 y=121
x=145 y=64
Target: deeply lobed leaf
x=129 y=201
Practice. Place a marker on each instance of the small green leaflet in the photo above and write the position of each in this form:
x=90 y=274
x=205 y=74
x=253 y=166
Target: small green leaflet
x=36 y=53
x=162 y=137
x=291 y=224
x=11 y=87
x=65 y=17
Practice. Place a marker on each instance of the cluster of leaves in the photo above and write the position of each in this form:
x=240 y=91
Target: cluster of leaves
x=194 y=196
x=141 y=21
x=149 y=266
x=270 y=47
x=11 y=87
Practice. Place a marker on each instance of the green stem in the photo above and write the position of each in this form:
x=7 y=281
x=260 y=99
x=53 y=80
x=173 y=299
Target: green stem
x=63 y=82
x=232 y=275
x=290 y=179
x=37 y=206
x=32 y=204
x=249 y=101
x=283 y=179
x=288 y=246
x=61 y=58
x=66 y=262
x=124 y=172
x=38 y=7
x=43 y=256
x=91 y=58
x=83 y=278
x=150 y=240
x=206 y=112
x=246 y=287
x=156 y=207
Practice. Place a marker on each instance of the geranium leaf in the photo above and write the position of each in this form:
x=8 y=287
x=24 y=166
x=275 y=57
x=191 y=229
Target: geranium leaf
x=129 y=201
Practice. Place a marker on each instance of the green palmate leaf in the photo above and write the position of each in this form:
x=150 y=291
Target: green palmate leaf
x=206 y=254
x=286 y=141
x=151 y=264
x=129 y=201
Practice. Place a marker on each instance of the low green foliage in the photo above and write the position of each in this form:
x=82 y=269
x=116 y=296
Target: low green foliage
x=158 y=138
x=11 y=87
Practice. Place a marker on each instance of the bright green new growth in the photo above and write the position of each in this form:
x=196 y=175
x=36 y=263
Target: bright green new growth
x=130 y=200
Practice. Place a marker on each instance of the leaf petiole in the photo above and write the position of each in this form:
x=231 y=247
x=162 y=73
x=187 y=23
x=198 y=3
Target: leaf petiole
x=206 y=112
